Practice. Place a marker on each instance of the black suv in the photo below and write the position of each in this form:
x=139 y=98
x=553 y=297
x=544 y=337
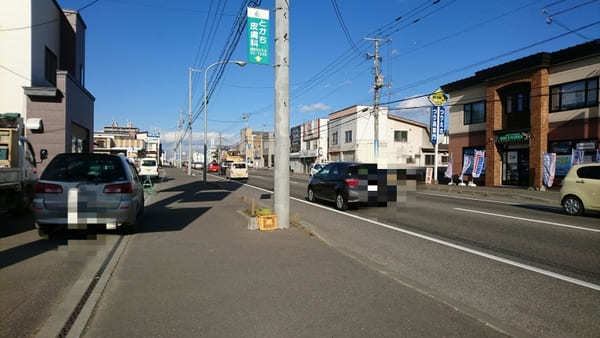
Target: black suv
x=337 y=182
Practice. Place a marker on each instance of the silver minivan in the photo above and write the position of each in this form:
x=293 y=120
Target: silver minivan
x=76 y=190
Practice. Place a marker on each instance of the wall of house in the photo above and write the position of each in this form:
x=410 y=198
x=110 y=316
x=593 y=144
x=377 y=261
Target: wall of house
x=47 y=35
x=79 y=108
x=15 y=14
x=573 y=71
x=458 y=99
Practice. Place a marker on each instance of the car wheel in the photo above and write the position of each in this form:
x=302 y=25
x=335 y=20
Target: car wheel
x=340 y=202
x=573 y=206
x=311 y=195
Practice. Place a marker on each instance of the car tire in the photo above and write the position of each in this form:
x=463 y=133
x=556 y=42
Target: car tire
x=573 y=205
x=341 y=203
x=311 y=195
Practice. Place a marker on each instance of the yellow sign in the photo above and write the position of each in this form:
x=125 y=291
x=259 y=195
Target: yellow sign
x=438 y=98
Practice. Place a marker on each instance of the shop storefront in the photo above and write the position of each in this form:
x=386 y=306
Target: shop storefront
x=564 y=152
x=514 y=155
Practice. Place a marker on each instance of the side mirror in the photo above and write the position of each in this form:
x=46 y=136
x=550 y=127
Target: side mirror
x=43 y=154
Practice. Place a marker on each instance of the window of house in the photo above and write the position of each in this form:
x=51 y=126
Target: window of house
x=410 y=160
x=572 y=95
x=400 y=136
x=334 y=138
x=444 y=159
x=474 y=112
x=51 y=66
x=516 y=103
x=348 y=136
x=307 y=145
x=429 y=159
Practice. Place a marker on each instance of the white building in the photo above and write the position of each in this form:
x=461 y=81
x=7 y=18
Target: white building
x=402 y=142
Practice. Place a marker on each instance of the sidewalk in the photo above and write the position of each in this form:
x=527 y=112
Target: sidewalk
x=195 y=270
x=509 y=194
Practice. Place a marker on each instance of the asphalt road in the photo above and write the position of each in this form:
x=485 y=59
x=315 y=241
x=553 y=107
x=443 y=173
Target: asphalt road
x=534 y=234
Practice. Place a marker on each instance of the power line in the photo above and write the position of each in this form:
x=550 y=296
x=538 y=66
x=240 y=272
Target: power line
x=49 y=21
x=572 y=8
x=340 y=19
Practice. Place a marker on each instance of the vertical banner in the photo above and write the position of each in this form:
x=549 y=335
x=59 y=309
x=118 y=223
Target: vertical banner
x=448 y=172
x=467 y=161
x=577 y=157
x=549 y=161
x=258 y=35
x=478 y=163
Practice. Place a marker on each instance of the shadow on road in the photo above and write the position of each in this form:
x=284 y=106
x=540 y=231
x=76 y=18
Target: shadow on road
x=13 y=225
x=556 y=210
x=168 y=214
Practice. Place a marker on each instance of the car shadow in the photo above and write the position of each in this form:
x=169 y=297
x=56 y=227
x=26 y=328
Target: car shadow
x=164 y=215
x=555 y=210
x=15 y=224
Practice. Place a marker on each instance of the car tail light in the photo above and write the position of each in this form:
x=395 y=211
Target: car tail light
x=47 y=188
x=351 y=182
x=121 y=188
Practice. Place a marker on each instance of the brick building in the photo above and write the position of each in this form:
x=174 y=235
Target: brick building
x=546 y=102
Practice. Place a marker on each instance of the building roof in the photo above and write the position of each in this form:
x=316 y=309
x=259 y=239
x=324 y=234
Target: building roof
x=405 y=120
x=531 y=62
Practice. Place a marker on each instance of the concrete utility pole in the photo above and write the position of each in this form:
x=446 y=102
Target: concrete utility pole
x=246 y=140
x=281 y=198
x=219 y=149
x=378 y=84
x=190 y=119
x=180 y=142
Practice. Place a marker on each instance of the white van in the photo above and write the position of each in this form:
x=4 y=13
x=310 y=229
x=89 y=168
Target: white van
x=237 y=170
x=149 y=167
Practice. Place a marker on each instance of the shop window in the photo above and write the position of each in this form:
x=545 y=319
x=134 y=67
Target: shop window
x=401 y=136
x=573 y=95
x=474 y=112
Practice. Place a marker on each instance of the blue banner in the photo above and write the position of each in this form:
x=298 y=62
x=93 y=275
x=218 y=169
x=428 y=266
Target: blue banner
x=433 y=123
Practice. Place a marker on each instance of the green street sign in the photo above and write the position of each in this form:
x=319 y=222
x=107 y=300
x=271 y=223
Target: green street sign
x=258 y=36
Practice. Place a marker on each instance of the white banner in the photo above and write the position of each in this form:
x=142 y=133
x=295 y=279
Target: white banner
x=549 y=161
x=466 y=164
x=448 y=172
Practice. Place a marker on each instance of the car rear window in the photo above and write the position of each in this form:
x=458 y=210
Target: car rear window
x=592 y=172
x=88 y=167
x=239 y=165
x=150 y=163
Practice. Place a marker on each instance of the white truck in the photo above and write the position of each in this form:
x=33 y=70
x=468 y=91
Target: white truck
x=18 y=166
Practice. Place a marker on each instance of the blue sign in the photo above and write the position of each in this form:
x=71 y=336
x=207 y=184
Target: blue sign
x=433 y=124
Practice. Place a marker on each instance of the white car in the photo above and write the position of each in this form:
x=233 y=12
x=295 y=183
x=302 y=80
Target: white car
x=237 y=170
x=149 y=167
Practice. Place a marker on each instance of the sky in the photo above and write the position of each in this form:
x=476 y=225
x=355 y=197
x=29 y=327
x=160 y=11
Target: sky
x=138 y=53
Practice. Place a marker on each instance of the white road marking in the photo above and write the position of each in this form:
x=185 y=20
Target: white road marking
x=269 y=179
x=527 y=267
x=529 y=220
x=467 y=198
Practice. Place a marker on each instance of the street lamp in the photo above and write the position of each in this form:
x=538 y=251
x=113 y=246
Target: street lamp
x=239 y=63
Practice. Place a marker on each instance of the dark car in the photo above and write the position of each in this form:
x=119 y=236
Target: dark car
x=337 y=182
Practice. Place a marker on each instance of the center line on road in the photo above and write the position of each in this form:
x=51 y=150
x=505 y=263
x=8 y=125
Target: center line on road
x=529 y=220
x=523 y=266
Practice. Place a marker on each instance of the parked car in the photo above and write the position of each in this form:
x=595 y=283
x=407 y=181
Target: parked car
x=316 y=168
x=213 y=167
x=237 y=170
x=88 y=189
x=581 y=189
x=336 y=182
x=149 y=167
x=197 y=165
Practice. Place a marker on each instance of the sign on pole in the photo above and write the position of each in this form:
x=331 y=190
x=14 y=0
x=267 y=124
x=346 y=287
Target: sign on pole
x=438 y=98
x=433 y=125
x=258 y=35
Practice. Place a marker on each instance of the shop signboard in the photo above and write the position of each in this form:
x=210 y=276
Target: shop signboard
x=428 y=175
x=258 y=35
x=433 y=123
x=562 y=165
x=586 y=146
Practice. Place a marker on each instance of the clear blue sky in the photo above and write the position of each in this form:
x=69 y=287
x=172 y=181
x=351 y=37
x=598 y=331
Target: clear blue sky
x=138 y=52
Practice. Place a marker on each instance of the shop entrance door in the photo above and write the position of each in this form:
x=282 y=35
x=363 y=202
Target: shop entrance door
x=515 y=167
